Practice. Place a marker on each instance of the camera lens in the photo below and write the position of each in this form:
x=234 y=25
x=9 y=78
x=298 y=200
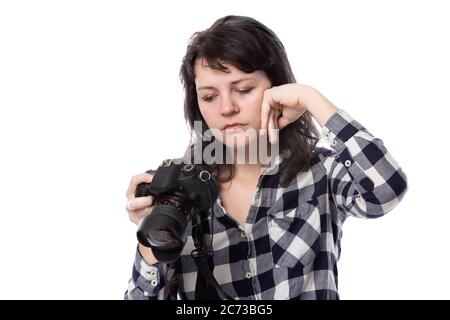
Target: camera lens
x=162 y=239
x=164 y=230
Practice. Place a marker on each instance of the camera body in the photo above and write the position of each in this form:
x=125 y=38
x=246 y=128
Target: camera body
x=180 y=191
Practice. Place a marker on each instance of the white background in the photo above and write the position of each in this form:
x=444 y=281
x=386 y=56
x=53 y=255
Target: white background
x=90 y=95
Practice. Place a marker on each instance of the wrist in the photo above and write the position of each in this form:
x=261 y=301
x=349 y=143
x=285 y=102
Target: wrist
x=317 y=105
x=307 y=96
x=147 y=254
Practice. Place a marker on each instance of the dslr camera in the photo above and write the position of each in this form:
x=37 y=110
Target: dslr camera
x=180 y=191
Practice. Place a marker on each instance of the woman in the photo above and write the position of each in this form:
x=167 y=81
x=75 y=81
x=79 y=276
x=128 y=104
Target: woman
x=276 y=228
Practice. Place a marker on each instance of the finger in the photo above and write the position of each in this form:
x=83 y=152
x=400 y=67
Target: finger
x=136 y=216
x=135 y=180
x=139 y=203
x=265 y=111
x=271 y=126
x=283 y=122
x=276 y=115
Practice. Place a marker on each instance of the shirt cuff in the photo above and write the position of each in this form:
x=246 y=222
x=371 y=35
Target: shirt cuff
x=339 y=128
x=147 y=277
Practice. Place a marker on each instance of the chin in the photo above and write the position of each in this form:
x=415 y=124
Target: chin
x=238 y=141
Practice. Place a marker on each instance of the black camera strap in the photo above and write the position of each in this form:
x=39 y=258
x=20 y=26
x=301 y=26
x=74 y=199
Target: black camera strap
x=206 y=287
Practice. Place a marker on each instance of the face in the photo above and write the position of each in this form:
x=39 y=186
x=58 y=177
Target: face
x=231 y=102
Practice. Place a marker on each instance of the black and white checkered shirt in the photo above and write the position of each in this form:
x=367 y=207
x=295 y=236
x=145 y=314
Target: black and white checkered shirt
x=290 y=243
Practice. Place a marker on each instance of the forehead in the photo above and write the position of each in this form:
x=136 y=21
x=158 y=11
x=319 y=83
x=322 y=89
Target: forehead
x=204 y=75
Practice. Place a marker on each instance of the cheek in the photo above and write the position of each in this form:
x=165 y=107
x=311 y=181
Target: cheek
x=208 y=116
x=254 y=107
x=256 y=99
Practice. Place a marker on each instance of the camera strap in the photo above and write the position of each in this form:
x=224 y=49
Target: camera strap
x=206 y=287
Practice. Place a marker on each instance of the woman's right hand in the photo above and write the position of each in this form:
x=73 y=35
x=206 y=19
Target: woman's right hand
x=138 y=207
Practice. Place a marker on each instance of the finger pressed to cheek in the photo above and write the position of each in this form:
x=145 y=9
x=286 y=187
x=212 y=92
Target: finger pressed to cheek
x=275 y=126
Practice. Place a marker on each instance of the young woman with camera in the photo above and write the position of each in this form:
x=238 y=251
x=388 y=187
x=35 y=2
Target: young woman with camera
x=275 y=230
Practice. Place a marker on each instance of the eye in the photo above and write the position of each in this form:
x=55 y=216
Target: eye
x=208 y=98
x=244 y=91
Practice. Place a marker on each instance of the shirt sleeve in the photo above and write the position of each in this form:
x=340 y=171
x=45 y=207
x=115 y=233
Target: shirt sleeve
x=364 y=179
x=149 y=282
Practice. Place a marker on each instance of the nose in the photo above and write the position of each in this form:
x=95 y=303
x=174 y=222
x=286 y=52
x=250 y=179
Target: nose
x=228 y=106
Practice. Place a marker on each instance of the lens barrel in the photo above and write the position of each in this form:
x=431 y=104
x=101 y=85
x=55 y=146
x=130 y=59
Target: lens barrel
x=164 y=230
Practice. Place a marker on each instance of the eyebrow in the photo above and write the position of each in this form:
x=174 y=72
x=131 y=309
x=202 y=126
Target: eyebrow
x=234 y=82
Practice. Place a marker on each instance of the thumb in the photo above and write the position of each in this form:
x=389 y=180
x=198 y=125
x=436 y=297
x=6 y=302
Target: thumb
x=283 y=122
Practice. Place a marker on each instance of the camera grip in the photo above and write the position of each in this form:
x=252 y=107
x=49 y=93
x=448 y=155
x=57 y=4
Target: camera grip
x=143 y=189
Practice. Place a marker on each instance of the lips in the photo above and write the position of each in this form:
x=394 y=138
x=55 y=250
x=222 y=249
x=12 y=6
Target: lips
x=234 y=127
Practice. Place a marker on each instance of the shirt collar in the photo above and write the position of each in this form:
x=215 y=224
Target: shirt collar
x=273 y=166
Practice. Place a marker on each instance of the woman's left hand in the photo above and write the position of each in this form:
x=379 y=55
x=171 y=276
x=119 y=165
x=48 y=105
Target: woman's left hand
x=281 y=106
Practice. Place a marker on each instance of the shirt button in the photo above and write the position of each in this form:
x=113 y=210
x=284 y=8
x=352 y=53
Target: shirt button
x=348 y=163
x=333 y=143
x=154 y=283
x=248 y=275
x=243 y=234
x=152 y=273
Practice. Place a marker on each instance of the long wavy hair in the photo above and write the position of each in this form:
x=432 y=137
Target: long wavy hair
x=249 y=46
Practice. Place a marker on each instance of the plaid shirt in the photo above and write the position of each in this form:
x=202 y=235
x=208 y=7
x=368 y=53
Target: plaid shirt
x=290 y=243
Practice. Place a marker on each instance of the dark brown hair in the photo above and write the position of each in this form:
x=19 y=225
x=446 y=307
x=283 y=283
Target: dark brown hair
x=249 y=46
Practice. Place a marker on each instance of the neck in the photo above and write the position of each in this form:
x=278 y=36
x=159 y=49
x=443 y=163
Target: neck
x=246 y=169
x=244 y=175
x=246 y=172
